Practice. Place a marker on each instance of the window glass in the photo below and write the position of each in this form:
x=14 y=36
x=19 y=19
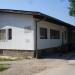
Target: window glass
x=54 y=34
x=65 y=34
x=43 y=33
x=9 y=34
x=1 y=51
x=2 y=34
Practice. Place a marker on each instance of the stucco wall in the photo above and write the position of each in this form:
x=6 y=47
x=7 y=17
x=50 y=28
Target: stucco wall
x=21 y=40
x=26 y=41
x=49 y=43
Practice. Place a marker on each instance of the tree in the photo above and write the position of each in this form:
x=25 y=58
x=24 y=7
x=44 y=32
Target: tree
x=72 y=7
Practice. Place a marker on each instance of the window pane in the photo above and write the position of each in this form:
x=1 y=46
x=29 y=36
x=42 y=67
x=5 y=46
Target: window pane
x=43 y=33
x=65 y=34
x=54 y=34
x=9 y=34
x=3 y=34
x=1 y=51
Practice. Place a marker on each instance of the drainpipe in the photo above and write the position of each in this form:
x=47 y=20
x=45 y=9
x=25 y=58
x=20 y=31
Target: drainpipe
x=35 y=54
x=36 y=51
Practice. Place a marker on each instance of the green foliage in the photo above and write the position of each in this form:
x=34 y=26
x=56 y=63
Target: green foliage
x=3 y=59
x=72 y=7
x=3 y=67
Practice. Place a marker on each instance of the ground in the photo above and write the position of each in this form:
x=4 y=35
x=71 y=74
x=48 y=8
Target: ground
x=47 y=66
x=30 y=67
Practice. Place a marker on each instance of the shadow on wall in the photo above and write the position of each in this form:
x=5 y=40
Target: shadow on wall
x=58 y=55
x=66 y=56
x=64 y=52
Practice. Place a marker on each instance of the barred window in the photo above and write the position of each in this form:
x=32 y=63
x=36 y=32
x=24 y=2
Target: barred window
x=54 y=34
x=43 y=33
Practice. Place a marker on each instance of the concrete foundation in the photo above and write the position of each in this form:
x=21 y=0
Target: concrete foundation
x=18 y=53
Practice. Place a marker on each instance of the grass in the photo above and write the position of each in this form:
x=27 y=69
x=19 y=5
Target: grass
x=8 y=58
x=4 y=59
x=4 y=67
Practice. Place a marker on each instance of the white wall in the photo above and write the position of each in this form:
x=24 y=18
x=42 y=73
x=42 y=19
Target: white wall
x=20 y=39
x=48 y=43
x=26 y=41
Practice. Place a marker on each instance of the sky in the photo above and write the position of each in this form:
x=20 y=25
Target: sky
x=55 y=8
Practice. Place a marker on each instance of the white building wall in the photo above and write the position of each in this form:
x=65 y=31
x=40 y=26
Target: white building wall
x=21 y=40
x=49 y=43
x=26 y=41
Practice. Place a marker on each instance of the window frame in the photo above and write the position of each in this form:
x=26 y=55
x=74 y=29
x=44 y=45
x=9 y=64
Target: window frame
x=43 y=33
x=65 y=35
x=54 y=34
x=9 y=34
x=1 y=51
x=2 y=34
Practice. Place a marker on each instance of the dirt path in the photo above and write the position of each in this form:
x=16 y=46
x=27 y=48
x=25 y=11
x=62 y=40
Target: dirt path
x=33 y=66
x=68 y=68
x=65 y=69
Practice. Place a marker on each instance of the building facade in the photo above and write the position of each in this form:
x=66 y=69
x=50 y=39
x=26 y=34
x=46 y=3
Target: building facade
x=24 y=33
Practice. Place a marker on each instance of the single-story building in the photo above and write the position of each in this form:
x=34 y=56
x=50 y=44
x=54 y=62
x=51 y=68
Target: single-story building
x=28 y=33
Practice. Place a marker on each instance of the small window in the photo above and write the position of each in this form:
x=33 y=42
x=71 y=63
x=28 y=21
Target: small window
x=2 y=34
x=9 y=34
x=1 y=51
x=54 y=34
x=65 y=35
x=43 y=33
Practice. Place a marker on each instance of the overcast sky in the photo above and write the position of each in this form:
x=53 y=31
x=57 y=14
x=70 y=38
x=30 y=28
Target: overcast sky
x=54 y=8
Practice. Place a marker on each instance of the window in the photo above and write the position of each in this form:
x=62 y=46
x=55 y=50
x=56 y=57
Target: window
x=54 y=34
x=9 y=34
x=43 y=33
x=1 y=51
x=2 y=34
x=65 y=35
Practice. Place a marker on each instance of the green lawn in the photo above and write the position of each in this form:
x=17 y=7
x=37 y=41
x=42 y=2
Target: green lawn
x=4 y=67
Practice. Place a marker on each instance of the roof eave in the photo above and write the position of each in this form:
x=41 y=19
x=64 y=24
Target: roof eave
x=39 y=15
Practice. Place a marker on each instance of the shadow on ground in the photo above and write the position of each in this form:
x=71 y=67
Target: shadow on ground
x=58 y=55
